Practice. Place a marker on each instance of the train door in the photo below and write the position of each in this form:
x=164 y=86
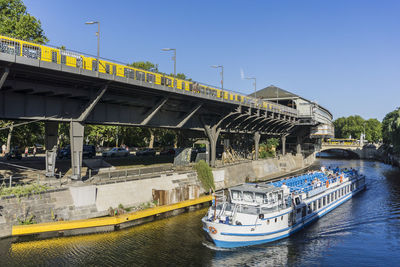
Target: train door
x=54 y=56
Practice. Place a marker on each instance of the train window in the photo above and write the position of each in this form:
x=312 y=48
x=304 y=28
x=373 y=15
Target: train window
x=140 y=75
x=114 y=69
x=108 y=68
x=63 y=59
x=9 y=47
x=94 y=65
x=79 y=62
x=183 y=85
x=31 y=51
x=151 y=78
x=175 y=83
x=168 y=82
x=190 y=87
x=162 y=80
x=128 y=73
x=54 y=56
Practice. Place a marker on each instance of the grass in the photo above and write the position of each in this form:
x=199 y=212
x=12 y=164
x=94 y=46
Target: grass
x=22 y=190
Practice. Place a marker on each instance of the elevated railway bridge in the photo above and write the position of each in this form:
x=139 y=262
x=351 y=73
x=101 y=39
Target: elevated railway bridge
x=35 y=89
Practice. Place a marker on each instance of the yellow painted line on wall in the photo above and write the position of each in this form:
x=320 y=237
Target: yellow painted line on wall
x=104 y=221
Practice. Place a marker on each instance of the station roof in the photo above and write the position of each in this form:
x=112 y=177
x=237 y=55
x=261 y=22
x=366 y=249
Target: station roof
x=273 y=92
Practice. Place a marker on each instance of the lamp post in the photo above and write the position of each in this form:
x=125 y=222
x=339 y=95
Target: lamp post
x=255 y=85
x=222 y=73
x=98 y=42
x=174 y=59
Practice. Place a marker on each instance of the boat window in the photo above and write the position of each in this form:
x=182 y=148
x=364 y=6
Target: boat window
x=309 y=208
x=248 y=196
x=236 y=195
x=297 y=200
x=31 y=51
x=259 y=198
x=319 y=203
x=281 y=218
x=304 y=211
x=314 y=205
x=268 y=221
x=335 y=194
x=276 y=219
x=324 y=201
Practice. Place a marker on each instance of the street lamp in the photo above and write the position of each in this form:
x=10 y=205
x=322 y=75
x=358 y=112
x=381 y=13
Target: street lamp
x=173 y=58
x=255 y=85
x=222 y=74
x=98 y=42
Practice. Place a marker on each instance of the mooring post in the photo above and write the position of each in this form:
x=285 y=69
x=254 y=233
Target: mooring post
x=10 y=181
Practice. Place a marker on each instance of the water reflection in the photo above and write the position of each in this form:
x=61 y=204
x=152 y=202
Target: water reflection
x=363 y=231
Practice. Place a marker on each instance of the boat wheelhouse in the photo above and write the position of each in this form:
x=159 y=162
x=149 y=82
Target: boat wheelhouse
x=261 y=213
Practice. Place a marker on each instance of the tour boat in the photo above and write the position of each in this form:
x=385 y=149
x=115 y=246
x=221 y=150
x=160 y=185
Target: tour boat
x=260 y=213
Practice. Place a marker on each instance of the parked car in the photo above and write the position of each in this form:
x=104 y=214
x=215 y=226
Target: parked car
x=14 y=154
x=116 y=152
x=146 y=152
x=168 y=152
x=88 y=151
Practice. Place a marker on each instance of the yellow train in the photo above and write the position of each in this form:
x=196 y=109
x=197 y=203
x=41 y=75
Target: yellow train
x=51 y=54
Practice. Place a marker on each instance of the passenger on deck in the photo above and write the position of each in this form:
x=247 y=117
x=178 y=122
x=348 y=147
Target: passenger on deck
x=285 y=189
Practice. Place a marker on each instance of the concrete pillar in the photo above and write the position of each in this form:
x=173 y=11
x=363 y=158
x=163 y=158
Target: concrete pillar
x=256 y=144
x=298 y=146
x=51 y=135
x=283 y=139
x=76 y=133
x=212 y=133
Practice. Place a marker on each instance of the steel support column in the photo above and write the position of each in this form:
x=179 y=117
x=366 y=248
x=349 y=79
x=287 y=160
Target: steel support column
x=89 y=107
x=298 y=145
x=283 y=139
x=51 y=136
x=212 y=133
x=150 y=114
x=4 y=77
x=256 y=144
x=76 y=133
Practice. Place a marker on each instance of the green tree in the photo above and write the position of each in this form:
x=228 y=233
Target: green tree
x=143 y=65
x=391 y=129
x=373 y=130
x=16 y=22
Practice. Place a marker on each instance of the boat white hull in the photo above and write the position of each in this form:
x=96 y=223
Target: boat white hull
x=229 y=236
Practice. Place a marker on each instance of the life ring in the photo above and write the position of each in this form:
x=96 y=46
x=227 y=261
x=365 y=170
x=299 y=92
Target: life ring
x=341 y=178
x=212 y=230
x=327 y=184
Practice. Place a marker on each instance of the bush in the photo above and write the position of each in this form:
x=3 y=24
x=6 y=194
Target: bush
x=204 y=173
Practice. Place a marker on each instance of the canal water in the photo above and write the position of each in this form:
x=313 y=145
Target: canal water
x=364 y=231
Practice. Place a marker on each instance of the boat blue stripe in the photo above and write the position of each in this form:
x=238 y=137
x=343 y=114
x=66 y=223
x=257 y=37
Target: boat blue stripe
x=325 y=210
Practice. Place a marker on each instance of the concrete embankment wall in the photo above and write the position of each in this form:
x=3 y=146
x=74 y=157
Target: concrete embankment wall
x=260 y=170
x=89 y=201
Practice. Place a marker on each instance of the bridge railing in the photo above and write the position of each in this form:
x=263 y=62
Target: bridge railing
x=79 y=60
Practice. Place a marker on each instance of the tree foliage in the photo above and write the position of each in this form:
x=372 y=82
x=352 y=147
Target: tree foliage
x=144 y=65
x=353 y=126
x=205 y=175
x=16 y=22
x=391 y=129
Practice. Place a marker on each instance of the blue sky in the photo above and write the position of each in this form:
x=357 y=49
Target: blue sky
x=343 y=54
